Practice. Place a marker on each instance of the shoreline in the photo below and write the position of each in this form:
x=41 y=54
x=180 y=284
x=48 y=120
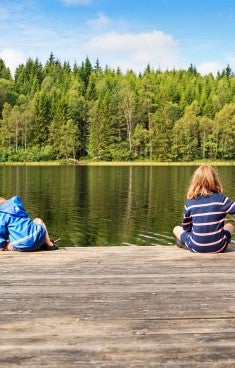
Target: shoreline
x=118 y=163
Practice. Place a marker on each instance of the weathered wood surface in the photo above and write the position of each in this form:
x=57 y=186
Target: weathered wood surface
x=119 y=307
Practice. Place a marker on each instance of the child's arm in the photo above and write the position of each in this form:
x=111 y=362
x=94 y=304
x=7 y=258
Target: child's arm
x=187 y=221
x=231 y=209
x=3 y=236
x=187 y=224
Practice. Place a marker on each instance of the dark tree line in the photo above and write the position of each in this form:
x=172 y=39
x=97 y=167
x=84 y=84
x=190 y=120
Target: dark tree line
x=55 y=111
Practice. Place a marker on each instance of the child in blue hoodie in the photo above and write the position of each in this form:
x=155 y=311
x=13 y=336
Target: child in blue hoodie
x=18 y=231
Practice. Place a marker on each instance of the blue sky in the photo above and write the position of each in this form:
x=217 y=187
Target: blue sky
x=125 y=33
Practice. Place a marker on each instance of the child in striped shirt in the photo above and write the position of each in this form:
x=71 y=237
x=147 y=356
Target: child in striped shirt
x=203 y=229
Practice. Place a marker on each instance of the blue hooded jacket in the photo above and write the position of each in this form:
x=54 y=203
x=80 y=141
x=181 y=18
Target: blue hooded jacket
x=18 y=228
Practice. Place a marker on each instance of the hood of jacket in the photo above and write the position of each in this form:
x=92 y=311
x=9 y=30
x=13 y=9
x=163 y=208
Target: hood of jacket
x=14 y=207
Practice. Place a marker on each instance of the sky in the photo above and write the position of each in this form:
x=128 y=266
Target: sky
x=129 y=34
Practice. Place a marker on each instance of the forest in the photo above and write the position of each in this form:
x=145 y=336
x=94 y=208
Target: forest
x=57 y=111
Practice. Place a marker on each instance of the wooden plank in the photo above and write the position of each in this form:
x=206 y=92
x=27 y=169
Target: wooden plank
x=117 y=307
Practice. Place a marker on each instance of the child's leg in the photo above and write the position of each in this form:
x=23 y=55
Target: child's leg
x=8 y=246
x=177 y=231
x=47 y=240
x=229 y=227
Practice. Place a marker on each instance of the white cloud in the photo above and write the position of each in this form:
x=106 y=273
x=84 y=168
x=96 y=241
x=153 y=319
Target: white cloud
x=210 y=67
x=231 y=63
x=135 y=51
x=100 y=22
x=12 y=58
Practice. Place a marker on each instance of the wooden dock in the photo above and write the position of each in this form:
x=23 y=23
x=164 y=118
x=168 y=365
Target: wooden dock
x=117 y=307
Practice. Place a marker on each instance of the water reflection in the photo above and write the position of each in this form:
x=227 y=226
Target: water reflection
x=106 y=206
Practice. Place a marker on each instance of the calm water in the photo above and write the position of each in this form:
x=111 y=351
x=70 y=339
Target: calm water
x=106 y=206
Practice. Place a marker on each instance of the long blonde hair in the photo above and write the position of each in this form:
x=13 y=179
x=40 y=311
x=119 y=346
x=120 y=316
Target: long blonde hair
x=204 y=181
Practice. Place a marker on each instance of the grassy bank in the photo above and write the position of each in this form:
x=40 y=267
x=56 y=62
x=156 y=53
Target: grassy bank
x=118 y=163
x=151 y=163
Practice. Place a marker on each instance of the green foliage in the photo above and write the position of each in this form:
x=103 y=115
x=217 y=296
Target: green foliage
x=28 y=77
x=33 y=154
x=58 y=112
x=4 y=71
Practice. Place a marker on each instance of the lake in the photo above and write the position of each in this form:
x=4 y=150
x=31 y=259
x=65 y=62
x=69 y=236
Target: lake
x=106 y=205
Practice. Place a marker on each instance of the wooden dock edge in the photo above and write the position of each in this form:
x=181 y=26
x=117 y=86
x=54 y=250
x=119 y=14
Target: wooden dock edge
x=119 y=307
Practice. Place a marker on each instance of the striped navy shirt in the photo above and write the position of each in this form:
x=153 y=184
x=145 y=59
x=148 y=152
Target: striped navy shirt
x=204 y=222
